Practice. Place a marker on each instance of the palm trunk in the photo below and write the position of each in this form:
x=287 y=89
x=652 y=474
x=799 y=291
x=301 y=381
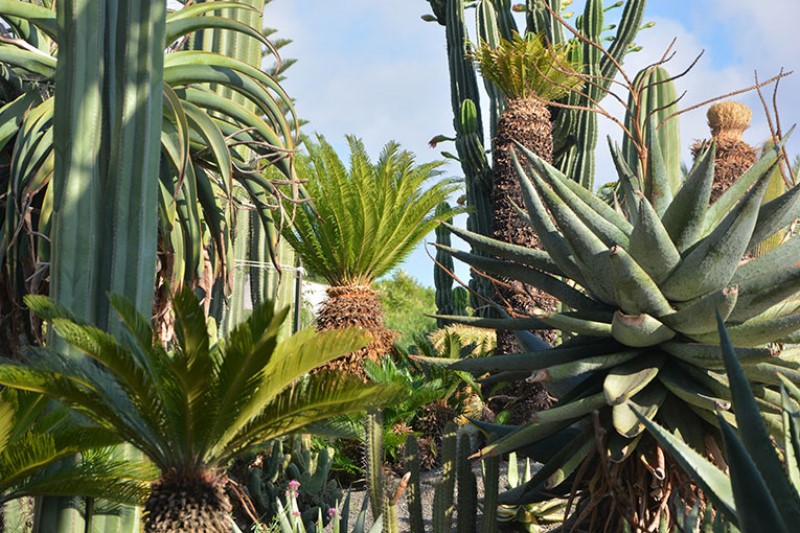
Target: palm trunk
x=525 y=121
x=355 y=306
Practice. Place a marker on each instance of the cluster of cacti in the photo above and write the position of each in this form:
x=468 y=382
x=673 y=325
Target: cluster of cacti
x=575 y=129
x=269 y=477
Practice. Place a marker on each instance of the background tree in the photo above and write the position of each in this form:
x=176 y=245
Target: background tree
x=406 y=303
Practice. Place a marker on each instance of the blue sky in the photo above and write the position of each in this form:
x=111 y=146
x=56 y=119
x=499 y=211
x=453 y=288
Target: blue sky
x=374 y=69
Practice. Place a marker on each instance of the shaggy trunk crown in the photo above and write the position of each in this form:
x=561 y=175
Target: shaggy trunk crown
x=526 y=121
x=728 y=121
x=355 y=306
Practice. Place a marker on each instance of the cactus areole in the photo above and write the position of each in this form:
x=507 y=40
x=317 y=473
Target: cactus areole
x=640 y=294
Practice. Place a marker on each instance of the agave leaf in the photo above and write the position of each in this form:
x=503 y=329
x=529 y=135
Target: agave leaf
x=530 y=257
x=685 y=216
x=646 y=403
x=178 y=27
x=776 y=215
x=709 y=356
x=688 y=390
x=791 y=439
x=34 y=62
x=552 y=240
x=552 y=474
x=494 y=323
x=756 y=331
x=574 y=369
x=755 y=437
x=41 y=17
x=712 y=261
x=606 y=223
x=756 y=510
x=635 y=291
x=657 y=187
x=538 y=360
x=650 y=244
x=691 y=317
x=629 y=184
x=546 y=423
x=714 y=482
x=639 y=330
x=195 y=10
x=725 y=203
x=564 y=293
x=627 y=379
x=577 y=324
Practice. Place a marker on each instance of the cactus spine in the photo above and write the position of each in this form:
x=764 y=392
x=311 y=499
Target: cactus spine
x=775 y=189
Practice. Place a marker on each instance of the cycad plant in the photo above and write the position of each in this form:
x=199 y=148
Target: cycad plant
x=35 y=439
x=529 y=73
x=192 y=407
x=639 y=294
x=360 y=223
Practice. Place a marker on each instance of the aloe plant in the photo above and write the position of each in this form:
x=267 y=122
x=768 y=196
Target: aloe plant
x=191 y=409
x=637 y=304
x=759 y=492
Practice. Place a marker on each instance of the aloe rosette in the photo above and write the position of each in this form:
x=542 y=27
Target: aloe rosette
x=639 y=294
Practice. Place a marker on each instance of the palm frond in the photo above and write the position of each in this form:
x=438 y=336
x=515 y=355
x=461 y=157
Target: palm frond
x=318 y=397
x=363 y=220
x=526 y=66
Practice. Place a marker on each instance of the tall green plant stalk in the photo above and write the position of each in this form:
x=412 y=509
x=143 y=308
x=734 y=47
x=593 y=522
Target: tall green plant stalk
x=263 y=266
x=107 y=123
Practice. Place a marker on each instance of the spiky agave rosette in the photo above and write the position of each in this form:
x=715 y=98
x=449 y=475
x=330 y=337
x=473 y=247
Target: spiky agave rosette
x=639 y=292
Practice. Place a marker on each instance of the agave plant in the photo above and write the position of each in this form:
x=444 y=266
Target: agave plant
x=759 y=492
x=360 y=224
x=193 y=407
x=199 y=129
x=35 y=441
x=638 y=290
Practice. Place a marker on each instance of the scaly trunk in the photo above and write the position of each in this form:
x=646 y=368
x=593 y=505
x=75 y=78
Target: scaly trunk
x=528 y=122
x=188 y=503
x=355 y=306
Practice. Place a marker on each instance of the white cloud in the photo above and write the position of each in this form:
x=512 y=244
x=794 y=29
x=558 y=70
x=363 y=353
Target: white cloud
x=374 y=69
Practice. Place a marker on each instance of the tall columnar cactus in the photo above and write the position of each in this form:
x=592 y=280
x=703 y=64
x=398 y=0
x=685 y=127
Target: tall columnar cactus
x=442 y=278
x=107 y=125
x=258 y=254
x=650 y=104
x=468 y=124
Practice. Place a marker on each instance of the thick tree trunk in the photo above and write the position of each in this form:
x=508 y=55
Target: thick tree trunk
x=526 y=122
x=356 y=306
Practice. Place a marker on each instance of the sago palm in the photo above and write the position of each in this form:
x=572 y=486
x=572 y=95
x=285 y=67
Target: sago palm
x=529 y=73
x=34 y=441
x=359 y=224
x=192 y=407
